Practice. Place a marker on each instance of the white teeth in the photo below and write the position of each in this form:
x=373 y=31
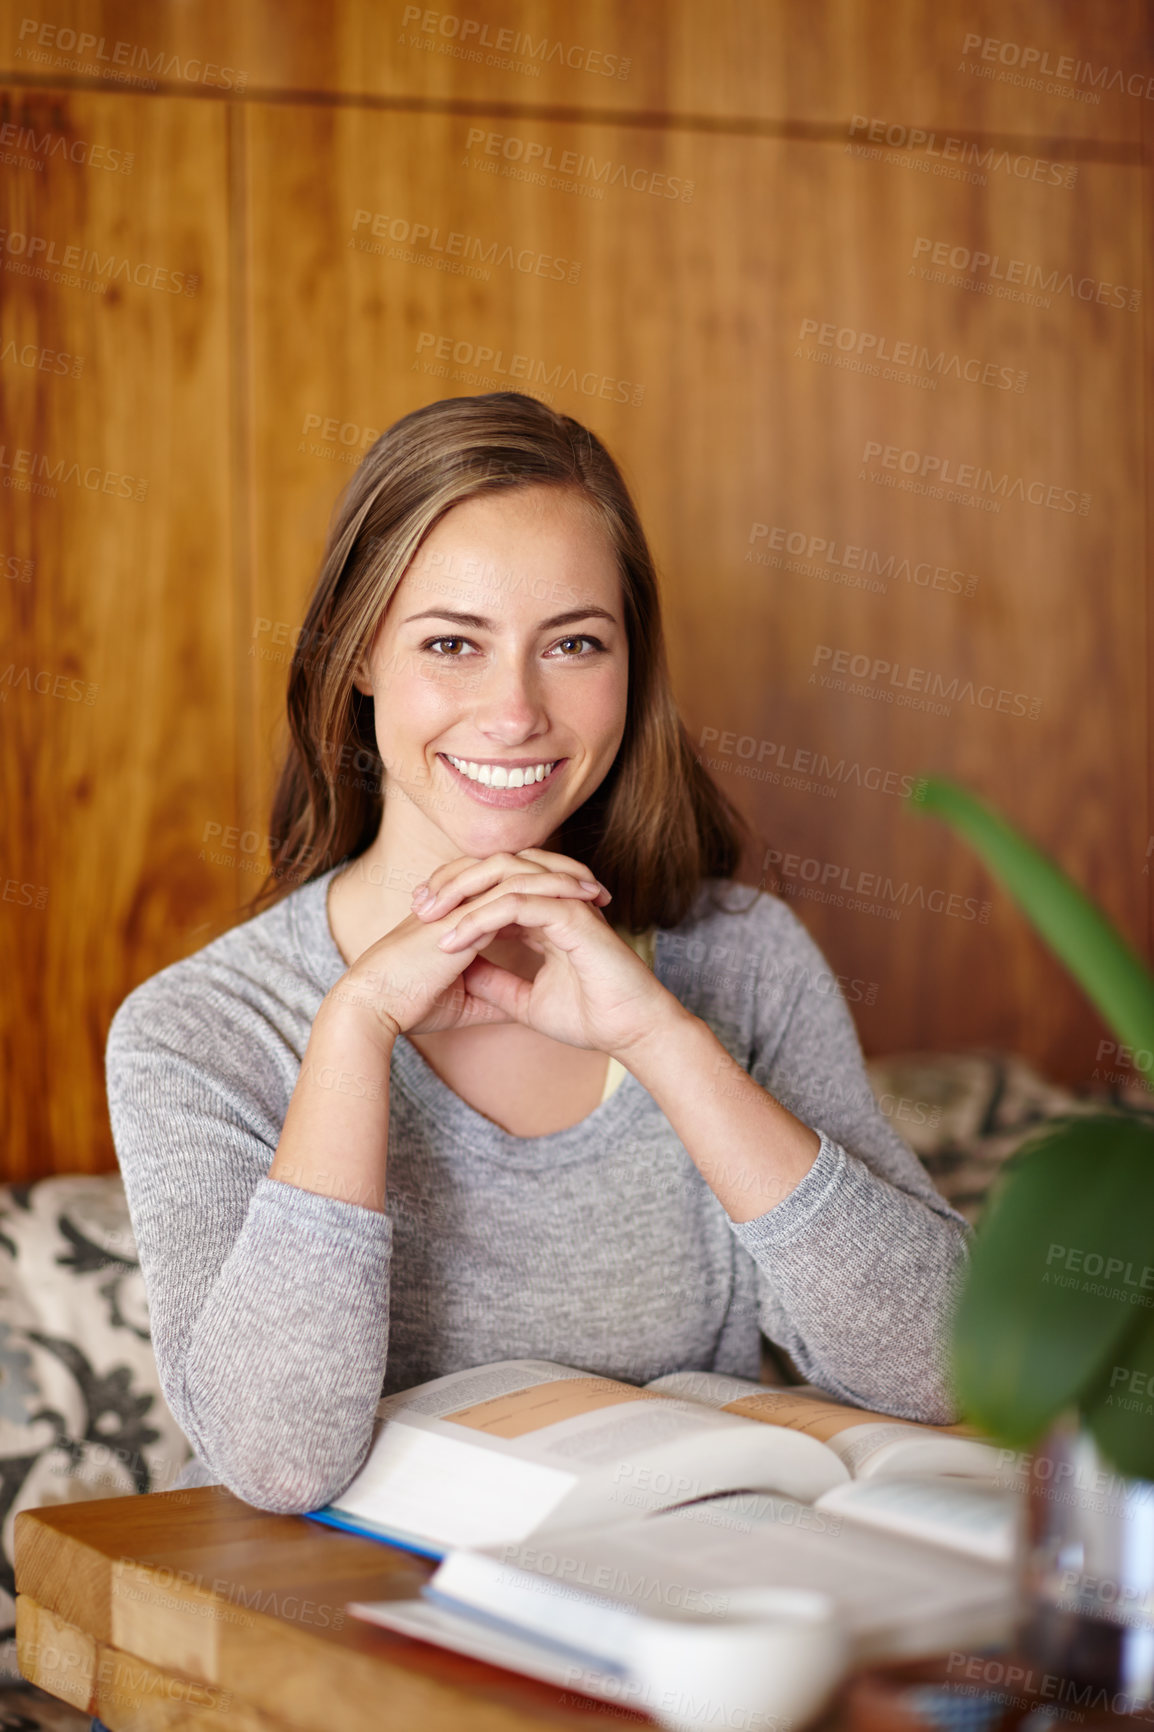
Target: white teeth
x=499 y=775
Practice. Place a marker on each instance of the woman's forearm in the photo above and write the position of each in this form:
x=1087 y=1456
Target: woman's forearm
x=863 y=1273
x=276 y=1378
x=335 y=1135
x=751 y=1151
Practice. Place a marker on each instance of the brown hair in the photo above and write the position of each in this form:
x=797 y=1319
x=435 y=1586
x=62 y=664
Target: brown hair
x=655 y=827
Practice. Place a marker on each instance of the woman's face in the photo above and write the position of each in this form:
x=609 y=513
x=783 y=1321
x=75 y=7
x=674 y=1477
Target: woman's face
x=501 y=659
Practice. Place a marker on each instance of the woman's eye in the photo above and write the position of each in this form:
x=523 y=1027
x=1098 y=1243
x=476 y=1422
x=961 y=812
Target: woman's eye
x=444 y=640
x=575 y=640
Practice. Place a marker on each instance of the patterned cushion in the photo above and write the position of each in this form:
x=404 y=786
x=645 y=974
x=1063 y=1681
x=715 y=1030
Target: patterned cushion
x=964 y=1114
x=81 y=1412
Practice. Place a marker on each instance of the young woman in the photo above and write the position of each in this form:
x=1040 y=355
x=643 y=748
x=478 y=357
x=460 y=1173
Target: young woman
x=508 y=1066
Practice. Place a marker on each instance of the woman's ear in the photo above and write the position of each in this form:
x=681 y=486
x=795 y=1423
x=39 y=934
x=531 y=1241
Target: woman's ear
x=361 y=676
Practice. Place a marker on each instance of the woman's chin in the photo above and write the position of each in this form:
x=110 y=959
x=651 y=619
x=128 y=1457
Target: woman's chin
x=500 y=832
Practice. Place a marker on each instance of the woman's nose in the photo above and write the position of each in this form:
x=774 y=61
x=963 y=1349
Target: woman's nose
x=509 y=700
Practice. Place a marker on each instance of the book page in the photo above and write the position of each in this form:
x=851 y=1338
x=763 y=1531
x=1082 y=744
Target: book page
x=870 y=1444
x=963 y=1514
x=517 y=1412
x=458 y=1460
x=897 y=1596
x=867 y=1443
x=824 y=1420
x=543 y=1412
x=509 y=1449
x=803 y=1407
x=755 y=1540
x=482 y=1639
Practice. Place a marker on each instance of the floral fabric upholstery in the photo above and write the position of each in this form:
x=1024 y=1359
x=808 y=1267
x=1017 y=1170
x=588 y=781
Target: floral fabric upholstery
x=964 y=1114
x=81 y=1412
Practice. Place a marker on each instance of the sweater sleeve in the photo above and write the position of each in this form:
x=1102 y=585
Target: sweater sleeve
x=858 y=1268
x=268 y=1303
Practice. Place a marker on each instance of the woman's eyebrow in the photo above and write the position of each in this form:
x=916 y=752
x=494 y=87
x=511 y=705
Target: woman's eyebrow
x=479 y=624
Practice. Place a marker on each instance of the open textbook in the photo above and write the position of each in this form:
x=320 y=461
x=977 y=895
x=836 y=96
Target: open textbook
x=500 y=1453
x=564 y=1607
x=580 y=1593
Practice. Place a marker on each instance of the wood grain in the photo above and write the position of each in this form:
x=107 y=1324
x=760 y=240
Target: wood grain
x=119 y=703
x=774 y=62
x=138 y=812
x=195 y=1603
x=54 y=1654
x=127 y=1693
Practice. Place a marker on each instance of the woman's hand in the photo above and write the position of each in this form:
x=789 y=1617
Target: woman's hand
x=591 y=989
x=406 y=983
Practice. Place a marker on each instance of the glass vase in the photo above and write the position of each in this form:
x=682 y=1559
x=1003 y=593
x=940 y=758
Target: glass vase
x=1088 y=1578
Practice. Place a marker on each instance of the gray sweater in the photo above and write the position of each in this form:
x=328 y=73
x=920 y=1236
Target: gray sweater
x=279 y=1316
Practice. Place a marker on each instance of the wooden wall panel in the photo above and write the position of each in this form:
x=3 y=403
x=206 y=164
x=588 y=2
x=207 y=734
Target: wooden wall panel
x=254 y=149
x=1051 y=621
x=801 y=63
x=118 y=668
x=746 y=421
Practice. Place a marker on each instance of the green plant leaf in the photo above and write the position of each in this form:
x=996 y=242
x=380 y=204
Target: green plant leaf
x=1120 y=1411
x=1056 y=1268
x=1111 y=974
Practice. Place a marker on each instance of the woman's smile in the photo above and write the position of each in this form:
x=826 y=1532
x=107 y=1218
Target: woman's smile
x=515 y=782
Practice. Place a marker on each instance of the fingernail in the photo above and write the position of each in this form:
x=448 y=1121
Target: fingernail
x=420 y=893
x=588 y=884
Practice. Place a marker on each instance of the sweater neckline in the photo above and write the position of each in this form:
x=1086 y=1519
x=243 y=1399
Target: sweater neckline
x=424 y=1087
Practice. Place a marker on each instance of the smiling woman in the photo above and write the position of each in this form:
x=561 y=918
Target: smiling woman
x=450 y=1095
x=496 y=517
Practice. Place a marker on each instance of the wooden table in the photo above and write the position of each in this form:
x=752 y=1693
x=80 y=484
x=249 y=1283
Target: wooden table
x=192 y=1609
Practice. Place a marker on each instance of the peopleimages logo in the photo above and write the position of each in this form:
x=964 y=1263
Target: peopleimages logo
x=870 y=673
x=31 y=255
x=454 y=250
x=934 y=474
x=36 y=472
x=953 y=149
x=154 y=61
x=49 y=144
x=858 y=567
x=1031 y=277
x=876 y=348
x=553 y=375
x=800 y=764
x=42 y=360
x=1034 y=64
x=533 y=160
x=466 y=36
x=863 y=892
x=61 y=686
